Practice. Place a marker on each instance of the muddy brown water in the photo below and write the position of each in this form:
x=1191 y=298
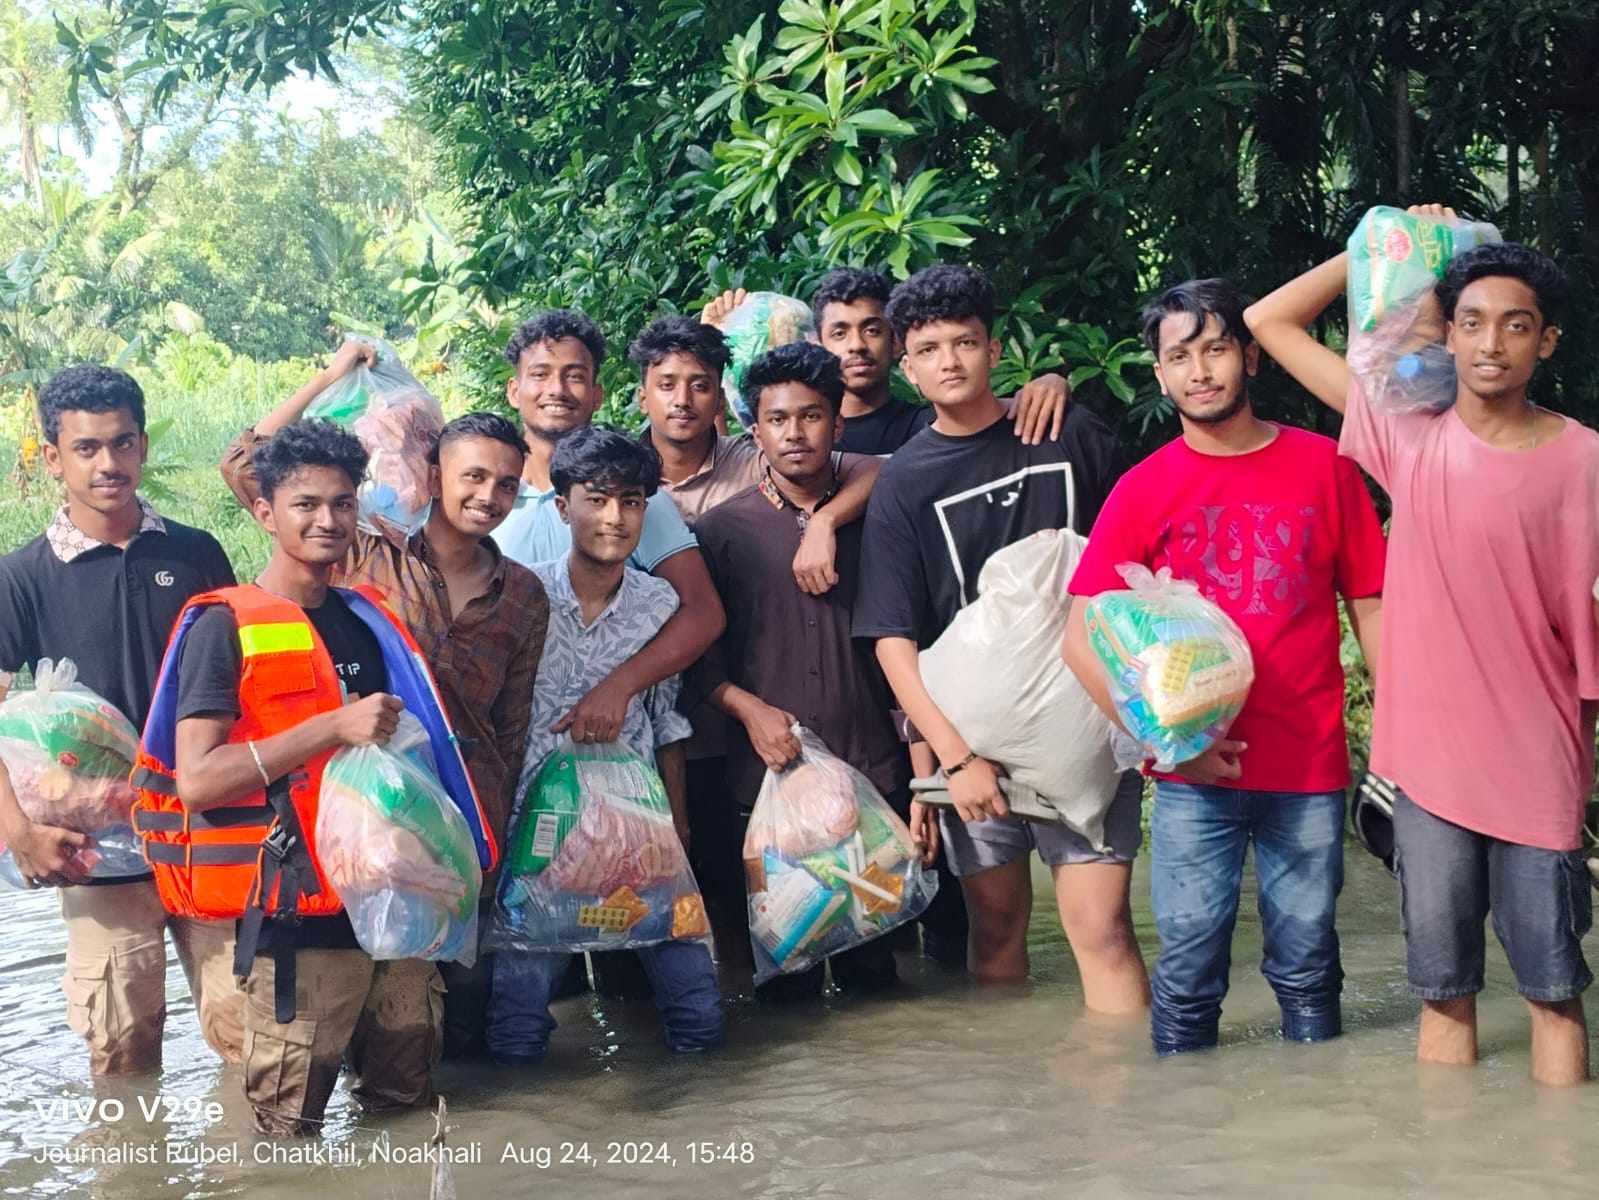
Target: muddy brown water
x=946 y=1089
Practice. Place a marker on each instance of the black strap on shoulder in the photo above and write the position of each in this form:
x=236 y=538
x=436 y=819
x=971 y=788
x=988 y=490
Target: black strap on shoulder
x=285 y=862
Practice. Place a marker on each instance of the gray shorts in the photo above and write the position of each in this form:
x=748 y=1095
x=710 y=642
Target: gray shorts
x=974 y=846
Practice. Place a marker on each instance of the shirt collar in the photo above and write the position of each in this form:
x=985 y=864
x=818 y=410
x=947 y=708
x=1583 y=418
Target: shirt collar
x=719 y=445
x=563 y=596
x=417 y=545
x=774 y=496
x=69 y=542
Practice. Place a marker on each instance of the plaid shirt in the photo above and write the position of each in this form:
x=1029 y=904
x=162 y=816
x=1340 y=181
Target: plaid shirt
x=484 y=657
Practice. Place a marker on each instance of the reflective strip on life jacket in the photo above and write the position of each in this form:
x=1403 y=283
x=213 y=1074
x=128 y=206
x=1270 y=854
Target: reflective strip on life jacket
x=276 y=637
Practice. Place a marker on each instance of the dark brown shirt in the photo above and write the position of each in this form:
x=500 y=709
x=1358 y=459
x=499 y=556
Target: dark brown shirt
x=483 y=658
x=792 y=650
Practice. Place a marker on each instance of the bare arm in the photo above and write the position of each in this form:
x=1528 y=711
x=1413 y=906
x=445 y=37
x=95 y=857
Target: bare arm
x=975 y=787
x=212 y=772
x=671 y=761
x=1079 y=656
x=1279 y=323
x=698 y=621
x=815 y=568
x=766 y=725
x=237 y=472
x=1365 y=619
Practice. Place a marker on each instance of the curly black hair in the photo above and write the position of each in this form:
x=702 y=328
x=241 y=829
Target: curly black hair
x=551 y=326
x=1538 y=271
x=88 y=387
x=605 y=459
x=307 y=444
x=478 y=425
x=797 y=362
x=677 y=334
x=845 y=285
x=941 y=293
x=1199 y=299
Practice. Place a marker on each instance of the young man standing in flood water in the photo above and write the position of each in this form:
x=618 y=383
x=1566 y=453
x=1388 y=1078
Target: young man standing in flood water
x=1489 y=676
x=787 y=656
x=958 y=491
x=478 y=617
x=1272 y=527
x=101 y=586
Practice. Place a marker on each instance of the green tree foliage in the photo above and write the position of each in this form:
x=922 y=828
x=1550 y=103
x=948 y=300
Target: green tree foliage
x=637 y=156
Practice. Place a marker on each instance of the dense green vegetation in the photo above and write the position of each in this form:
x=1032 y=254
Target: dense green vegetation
x=632 y=157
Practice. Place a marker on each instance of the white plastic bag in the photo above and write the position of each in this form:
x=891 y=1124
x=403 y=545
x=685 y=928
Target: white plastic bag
x=829 y=865
x=1396 y=330
x=997 y=674
x=398 y=421
x=1178 y=668
x=398 y=851
x=70 y=753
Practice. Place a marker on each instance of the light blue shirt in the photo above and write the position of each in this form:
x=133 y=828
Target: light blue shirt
x=577 y=656
x=535 y=533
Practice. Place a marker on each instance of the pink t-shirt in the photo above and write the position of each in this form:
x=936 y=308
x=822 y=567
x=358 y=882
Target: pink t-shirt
x=1488 y=634
x=1272 y=537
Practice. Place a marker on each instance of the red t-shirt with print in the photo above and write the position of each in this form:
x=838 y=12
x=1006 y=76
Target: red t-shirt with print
x=1273 y=537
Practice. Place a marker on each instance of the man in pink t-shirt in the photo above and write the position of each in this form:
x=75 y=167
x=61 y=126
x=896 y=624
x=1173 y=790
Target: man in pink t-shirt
x=1490 y=665
x=1273 y=527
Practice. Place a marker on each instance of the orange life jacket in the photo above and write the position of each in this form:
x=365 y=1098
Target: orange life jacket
x=257 y=855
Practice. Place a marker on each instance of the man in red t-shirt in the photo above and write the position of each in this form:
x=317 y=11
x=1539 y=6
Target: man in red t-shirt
x=1273 y=526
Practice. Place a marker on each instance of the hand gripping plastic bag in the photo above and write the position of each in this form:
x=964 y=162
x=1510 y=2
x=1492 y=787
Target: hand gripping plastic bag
x=398 y=851
x=1179 y=669
x=828 y=863
x=997 y=674
x=762 y=322
x=70 y=753
x=1396 y=331
x=595 y=861
x=398 y=421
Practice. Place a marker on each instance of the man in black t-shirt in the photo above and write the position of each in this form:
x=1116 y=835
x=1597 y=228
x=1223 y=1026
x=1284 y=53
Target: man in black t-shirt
x=958 y=491
x=101 y=586
x=381 y=1017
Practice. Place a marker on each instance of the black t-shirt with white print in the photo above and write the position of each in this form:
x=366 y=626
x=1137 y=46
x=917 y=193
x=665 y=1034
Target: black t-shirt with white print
x=943 y=504
x=208 y=684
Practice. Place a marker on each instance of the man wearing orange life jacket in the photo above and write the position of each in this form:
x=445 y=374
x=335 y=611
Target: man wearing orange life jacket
x=262 y=684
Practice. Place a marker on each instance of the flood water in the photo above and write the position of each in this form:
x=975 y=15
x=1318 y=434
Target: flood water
x=945 y=1089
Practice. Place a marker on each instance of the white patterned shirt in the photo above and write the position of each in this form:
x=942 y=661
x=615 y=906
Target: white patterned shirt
x=577 y=657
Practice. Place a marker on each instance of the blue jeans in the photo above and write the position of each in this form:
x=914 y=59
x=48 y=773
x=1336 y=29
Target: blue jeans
x=1198 y=839
x=681 y=973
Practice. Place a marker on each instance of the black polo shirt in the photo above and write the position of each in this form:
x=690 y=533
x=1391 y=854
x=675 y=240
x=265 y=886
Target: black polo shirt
x=109 y=610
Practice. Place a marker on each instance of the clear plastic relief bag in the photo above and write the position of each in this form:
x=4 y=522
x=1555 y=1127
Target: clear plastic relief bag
x=1178 y=668
x=595 y=862
x=398 y=851
x=1396 y=329
x=829 y=865
x=398 y=421
x=764 y=321
x=70 y=753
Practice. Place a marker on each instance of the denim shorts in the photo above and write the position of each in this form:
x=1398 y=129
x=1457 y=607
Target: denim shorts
x=974 y=846
x=1451 y=878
